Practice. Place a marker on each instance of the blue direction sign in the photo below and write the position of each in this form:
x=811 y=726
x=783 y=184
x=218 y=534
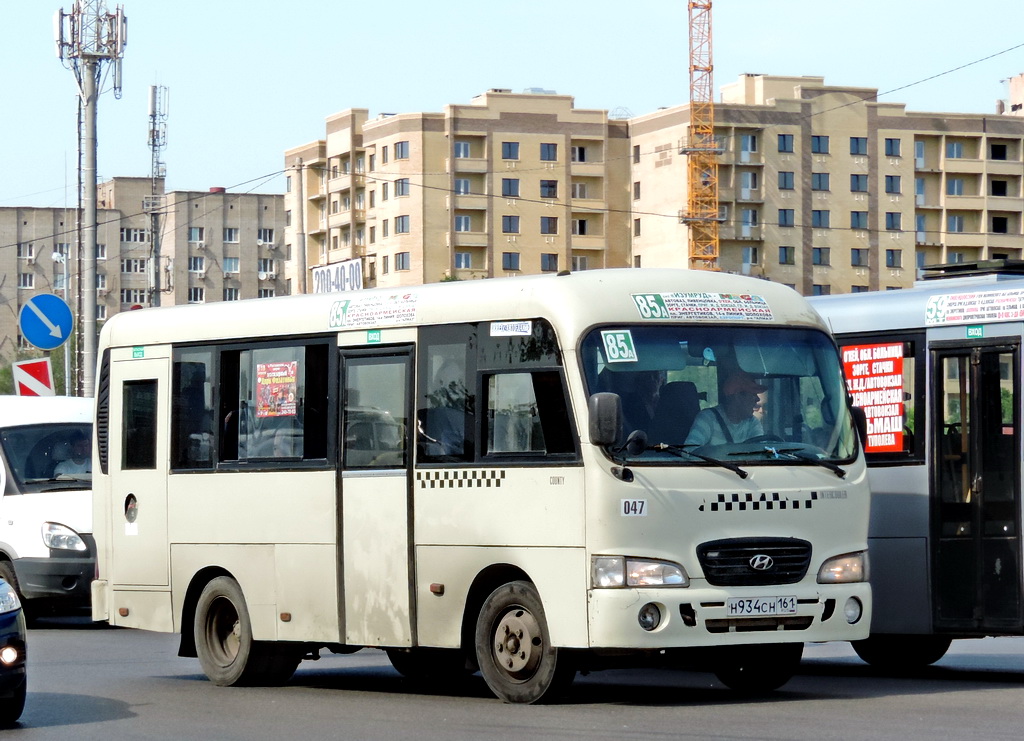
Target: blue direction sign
x=46 y=321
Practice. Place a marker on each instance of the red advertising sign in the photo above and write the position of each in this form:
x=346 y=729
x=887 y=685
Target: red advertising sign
x=33 y=377
x=874 y=377
x=276 y=385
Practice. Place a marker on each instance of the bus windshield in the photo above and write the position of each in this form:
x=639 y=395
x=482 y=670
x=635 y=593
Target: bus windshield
x=750 y=396
x=48 y=457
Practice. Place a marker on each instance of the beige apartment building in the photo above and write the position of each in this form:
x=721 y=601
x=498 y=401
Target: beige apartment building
x=826 y=189
x=214 y=246
x=509 y=184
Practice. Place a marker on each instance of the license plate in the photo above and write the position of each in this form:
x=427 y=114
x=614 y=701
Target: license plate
x=760 y=606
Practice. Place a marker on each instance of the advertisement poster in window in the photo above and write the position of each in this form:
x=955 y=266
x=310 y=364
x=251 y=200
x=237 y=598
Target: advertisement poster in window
x=874 y=377
x=276 y=388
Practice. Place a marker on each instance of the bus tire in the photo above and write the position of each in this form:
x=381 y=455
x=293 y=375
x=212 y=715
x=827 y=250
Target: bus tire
x=513 y=647
x=895 y=652
x=224 y=644
x=757 y=669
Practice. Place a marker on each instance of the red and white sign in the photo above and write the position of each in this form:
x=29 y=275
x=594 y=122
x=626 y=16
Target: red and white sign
x=33 y=377
x=874 y=377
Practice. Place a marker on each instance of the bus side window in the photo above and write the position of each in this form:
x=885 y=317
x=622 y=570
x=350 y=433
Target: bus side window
x=139 y=425
x=527 y=413
x=193 y=438
x=446 y=396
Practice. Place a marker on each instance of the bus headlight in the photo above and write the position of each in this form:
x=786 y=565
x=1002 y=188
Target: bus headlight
x=62 y=538
x=845 y=569
x=618 y=571
x=9 y=601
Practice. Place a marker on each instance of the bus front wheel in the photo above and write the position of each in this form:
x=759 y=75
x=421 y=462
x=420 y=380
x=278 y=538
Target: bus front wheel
x=227 y=652
x=513 y=648
x=756 y=669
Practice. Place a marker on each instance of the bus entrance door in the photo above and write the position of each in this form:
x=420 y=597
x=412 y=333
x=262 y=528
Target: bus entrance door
x=976 y=551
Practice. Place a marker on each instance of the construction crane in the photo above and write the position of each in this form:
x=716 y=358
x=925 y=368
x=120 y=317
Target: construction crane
x=701 y=148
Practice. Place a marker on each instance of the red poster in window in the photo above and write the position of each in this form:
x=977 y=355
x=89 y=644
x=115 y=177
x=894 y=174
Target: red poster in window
x=276 y=387
x=874 y=377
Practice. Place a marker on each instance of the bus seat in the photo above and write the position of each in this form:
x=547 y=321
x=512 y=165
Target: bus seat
x=678 y=404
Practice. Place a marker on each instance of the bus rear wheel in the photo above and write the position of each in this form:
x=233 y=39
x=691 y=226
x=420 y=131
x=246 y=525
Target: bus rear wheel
x=893 y=652
x=227 y=652
x=757 y=669
x=513 y=647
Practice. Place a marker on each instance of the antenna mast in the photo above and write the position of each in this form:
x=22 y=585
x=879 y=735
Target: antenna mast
x=86 y=37
x=154 y=203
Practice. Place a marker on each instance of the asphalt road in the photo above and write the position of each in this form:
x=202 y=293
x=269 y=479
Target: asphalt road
x=88 y=681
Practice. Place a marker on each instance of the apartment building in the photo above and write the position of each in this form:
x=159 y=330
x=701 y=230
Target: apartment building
x=826 y=189
x=508 y=184
x=214 y=246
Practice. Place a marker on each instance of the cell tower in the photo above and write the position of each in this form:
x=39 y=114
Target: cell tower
x=154 y=203
x=86 y=37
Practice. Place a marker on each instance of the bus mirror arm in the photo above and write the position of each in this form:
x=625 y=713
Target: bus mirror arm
x=605 y=410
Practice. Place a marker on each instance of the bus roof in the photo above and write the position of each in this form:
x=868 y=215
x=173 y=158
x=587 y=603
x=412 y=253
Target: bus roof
x=572 y=302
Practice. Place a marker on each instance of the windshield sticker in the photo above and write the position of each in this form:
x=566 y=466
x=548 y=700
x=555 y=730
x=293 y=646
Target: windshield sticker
x=374 y=311
x=618 y=346
x=511 y=329
x=275 y=389
x=982 y=306
x=724 y=306
x=874 y=378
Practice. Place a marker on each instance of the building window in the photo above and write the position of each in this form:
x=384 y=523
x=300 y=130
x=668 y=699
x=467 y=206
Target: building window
x=785 y=142
x=101 y=281
x=579 y=154
x=133 y=295
x=787 y=255
x=858 y=145
x=999 y=188
x=384 y=264
x=579 y=227
x=580 y=262
x=859 y=257
x=821 y=219
x=748 y=217
x=510 y=187
x=401 y=225
x=892 y=147
x=548 y=262
x=384 y=155
x=821 y=289
x=463 y=260
x=785 y=180
x=266 y=236
x=893 y=183
x=549 y=189
x=402 y=150
x=26 y=280
x=636 y=154
x=821 y=255
x=787 y=217
x=957 y=257
x=549 y=225
x=893 y=221
x=548 y=152
x=1000 y=225
x=195 y=234
x=25 y=249
x=819 y=181
x=264 y=265
x=858 y=183
x=510 y=150
x=894 y=258
x=510 y=225
x=461 y=186
x=463 y=223
x=134 y=235
x=858 y=219
x=230 y=264
x=579 y=190
x=858 y=289
x=997 y=151
x=384 y=229
x=402 y=187
x=819 y=145
x=748 y=143
x=373 y=162
x=461 y=149
x=196 y=295
x=954 y=150
x=402 y=261
x=134 y=265
x=510 y=261
x=265 y=293
x=101 y=312
x=373 y=235
x=230 y=234
x=955 y=187
x=101 y=252
x=197 y=264
x=230 y=294
x=636 y=227
x=750 y=256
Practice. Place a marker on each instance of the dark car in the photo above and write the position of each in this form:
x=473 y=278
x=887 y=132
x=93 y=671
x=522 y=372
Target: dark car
x=12 y=656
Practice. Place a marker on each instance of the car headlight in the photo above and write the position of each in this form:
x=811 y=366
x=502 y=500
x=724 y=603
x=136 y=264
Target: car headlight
x=845 y=569
x=618 y=571
x=62 y=538
x=9 y=601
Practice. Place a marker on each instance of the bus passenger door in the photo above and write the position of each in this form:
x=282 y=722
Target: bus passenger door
x=138 y=468
x=376 y=520
x=976 y=492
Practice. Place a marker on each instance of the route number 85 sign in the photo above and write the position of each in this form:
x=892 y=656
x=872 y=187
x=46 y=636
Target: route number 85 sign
x=618 y=346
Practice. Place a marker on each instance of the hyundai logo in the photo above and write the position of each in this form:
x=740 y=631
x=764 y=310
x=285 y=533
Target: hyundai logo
x=761 y=562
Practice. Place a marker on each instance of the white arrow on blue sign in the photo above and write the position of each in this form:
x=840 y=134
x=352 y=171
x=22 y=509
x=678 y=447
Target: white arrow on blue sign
x=46 y=321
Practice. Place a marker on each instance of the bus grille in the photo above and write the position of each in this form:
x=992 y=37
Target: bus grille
x=740 y=562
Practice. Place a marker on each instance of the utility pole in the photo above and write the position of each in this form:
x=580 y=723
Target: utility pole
x=86 y=37
x=154 y=203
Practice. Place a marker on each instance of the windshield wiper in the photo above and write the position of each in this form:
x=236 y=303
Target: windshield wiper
x=681 y=450
x=795 y=453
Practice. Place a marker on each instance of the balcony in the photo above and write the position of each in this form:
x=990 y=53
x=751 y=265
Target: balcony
x=588 y=242
x=472 y=202
x=466 y=164
x=953 y=165
x=470 y=239
x=586 y=169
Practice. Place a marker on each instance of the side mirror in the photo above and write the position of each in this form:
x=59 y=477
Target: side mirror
x=605 y=411
x=860 y=421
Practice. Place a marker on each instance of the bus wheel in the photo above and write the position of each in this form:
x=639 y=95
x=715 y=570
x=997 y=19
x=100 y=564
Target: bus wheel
x=757 y=669
x=429 y=664
x=514 y=650
x=901 y=651
x=227 y=652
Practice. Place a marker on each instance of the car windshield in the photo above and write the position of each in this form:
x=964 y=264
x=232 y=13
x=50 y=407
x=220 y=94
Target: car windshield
x=723 y=394
x=47 y=457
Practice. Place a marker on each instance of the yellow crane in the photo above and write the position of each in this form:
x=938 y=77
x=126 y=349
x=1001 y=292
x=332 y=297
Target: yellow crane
x=701 y=148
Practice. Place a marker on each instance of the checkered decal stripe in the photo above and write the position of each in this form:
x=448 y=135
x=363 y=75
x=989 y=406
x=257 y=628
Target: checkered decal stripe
x=755 y=502
x=463 y=479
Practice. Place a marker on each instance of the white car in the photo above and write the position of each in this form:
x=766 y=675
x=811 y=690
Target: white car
x=47 y=552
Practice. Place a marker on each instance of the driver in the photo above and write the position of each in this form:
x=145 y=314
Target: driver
x=733 y=420
x=81 y=458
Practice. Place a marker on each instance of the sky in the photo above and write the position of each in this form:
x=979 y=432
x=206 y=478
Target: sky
x=248 y=80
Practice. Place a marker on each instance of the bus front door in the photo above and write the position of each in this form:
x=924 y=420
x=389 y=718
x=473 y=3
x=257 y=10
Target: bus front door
x=976 y=545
